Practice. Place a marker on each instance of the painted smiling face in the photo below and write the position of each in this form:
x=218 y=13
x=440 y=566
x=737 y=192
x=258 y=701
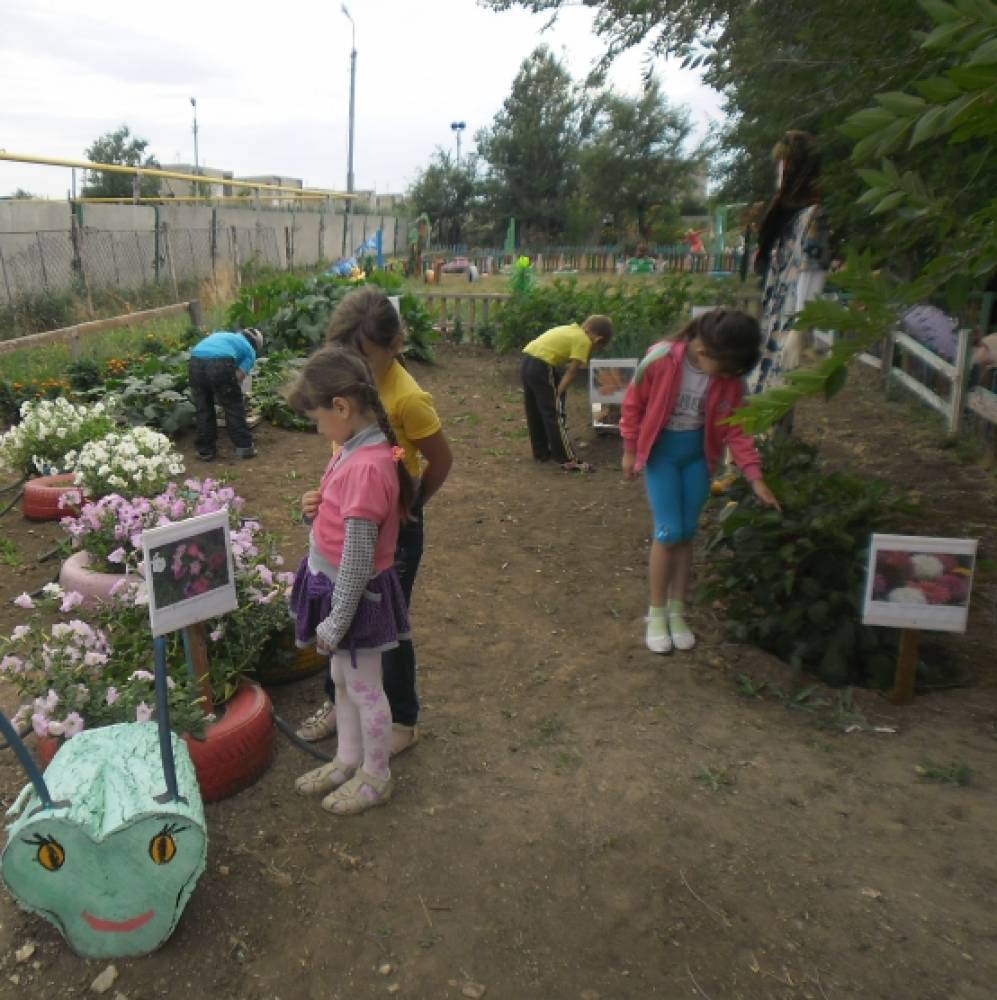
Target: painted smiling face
x=111 y=866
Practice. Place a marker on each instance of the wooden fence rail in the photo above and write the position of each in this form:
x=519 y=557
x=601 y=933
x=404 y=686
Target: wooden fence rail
x=74 y=335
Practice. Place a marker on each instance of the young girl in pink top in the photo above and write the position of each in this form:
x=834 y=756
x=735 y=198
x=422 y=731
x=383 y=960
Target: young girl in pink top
x=346 y=596
x=672 y=430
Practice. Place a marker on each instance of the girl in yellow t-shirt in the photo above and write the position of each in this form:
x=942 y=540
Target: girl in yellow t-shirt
x=367 y=322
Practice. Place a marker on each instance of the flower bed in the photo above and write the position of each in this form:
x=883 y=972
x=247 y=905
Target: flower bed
x=137 y=462
x=49 y=433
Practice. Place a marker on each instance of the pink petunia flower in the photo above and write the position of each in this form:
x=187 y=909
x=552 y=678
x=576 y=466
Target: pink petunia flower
x=72 y=724
x=117 y=556
x=143 y=713
x=70 y=601
x=111 y=695
x=24 y=601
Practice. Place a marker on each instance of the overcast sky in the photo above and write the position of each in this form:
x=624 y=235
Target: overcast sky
x=272 y=82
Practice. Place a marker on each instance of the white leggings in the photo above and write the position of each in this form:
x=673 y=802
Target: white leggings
x=363 y=716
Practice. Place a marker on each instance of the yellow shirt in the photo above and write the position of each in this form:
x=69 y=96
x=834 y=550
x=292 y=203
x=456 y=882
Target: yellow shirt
x=559 y=346
x=410 y=412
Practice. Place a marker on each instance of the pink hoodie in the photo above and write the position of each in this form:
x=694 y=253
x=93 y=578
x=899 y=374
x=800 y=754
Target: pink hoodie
x=650 y=399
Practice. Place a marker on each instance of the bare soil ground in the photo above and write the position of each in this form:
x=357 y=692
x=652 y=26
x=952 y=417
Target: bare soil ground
x=582 y=819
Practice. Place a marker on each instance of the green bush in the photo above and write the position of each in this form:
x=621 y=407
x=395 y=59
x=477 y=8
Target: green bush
x=271 y=376
x=792 y=583
x=641 y=313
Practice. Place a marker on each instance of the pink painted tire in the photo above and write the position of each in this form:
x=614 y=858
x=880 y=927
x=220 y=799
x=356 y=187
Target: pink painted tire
x=42 y=494
x=234 y=752
x=95 y=587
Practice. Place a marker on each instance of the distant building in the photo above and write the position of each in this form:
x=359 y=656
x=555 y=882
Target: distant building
x=210 y=188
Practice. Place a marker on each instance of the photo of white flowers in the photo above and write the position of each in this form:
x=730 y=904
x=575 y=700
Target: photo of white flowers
x=916 y=582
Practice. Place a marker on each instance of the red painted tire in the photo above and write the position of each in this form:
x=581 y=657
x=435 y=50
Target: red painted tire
x=235 y=750
x=42 y=494
x=75 y=574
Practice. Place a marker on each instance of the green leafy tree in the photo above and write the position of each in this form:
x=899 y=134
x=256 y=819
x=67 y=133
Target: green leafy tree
x=445 y=191
x=531 y=150
x=128 y=150
x=954 y=110
x=634 y=162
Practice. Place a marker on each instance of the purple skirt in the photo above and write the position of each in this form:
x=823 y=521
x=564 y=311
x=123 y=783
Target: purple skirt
x=381 y=618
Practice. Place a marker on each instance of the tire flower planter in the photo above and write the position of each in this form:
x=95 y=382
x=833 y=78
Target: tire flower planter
x=94 y=586
x=42 y=496
x=234 y=752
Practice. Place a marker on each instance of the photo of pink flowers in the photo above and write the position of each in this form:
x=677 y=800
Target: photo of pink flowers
x=189 y=567
x=916 y=582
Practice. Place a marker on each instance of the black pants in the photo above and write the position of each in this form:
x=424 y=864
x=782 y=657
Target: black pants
x=545 y=416
x=214 y=380
x=398 y=665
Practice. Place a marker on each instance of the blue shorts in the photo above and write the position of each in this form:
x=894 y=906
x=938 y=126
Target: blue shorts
x=678 y=483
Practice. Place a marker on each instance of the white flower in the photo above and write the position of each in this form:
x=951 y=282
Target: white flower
x=927 y=567
x=52 y=590
x=907 y=595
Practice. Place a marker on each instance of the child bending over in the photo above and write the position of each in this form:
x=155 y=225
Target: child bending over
x=672 y=430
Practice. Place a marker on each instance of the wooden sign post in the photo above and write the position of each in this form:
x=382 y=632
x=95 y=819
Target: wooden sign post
x=903 y=683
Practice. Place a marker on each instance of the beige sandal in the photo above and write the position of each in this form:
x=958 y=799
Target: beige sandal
x=325 y=778
x=349 y=800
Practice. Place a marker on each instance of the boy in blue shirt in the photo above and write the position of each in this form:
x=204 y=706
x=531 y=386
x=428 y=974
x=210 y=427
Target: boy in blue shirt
x=218 y=364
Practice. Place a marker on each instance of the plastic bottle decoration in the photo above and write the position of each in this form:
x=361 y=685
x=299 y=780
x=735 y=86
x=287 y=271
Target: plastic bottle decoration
x=98 y=849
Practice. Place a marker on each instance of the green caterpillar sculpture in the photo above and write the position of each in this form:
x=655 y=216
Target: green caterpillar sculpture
x=98 y=849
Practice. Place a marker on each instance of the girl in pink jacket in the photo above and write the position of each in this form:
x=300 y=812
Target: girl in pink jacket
x=672 y=430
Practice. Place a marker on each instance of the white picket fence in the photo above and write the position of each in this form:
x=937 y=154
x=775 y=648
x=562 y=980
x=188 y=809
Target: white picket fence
x=898 y=347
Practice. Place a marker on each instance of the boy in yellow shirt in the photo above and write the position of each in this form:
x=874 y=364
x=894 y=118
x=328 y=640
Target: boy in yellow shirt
x=544 y=387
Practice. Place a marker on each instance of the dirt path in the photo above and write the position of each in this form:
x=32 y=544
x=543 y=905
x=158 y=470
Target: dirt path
x=582 y=819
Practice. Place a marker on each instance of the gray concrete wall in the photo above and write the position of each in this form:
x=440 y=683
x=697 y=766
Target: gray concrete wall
x=118 y=244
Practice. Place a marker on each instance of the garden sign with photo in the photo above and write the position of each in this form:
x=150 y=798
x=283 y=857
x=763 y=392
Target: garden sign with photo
x=919 y=583
x=189 y=572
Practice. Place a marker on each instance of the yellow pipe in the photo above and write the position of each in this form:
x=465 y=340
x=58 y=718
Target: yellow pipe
x=117 y=168
x=168 y=199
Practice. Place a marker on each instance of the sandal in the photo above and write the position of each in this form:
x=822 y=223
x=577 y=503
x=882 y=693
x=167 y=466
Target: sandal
x=325 y=778
x=575 y=466
x=350 y=799
x=403 y=738
x=320 y=725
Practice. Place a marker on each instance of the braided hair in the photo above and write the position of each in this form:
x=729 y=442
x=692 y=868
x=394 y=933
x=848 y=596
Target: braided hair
x=333 y=371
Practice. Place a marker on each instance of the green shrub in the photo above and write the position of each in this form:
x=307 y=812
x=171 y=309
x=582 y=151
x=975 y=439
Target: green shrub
x=793 y=583
x=641 y=313
x=270 y=377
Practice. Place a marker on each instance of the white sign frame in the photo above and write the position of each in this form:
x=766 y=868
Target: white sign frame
x=932 y=617
x=217 y=600
x=597 y=399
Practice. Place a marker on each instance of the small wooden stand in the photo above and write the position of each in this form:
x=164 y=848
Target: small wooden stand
x=903 y=684
x=197 y=655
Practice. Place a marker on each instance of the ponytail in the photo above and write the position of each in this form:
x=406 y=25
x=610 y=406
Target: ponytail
x=406 y=485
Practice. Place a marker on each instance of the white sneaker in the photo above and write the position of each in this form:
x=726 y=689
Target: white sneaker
x=656 y=641
x=320 y=725
x=682 y=637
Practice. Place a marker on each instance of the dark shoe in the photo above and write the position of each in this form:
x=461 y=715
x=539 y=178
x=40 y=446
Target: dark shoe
x=206 y=456
x=249 y=452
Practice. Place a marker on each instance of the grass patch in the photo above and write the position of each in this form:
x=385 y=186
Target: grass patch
x=9 y=555
x=954 y=773
x=717 y=779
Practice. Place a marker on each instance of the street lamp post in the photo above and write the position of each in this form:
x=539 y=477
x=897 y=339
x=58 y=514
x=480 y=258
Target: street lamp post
x=193 y=104
x=349 y=155
x=457 y=128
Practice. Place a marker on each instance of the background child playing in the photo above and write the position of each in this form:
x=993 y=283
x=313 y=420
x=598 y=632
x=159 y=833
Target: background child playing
x=367 y=323
x=671 y=426
x=543 y=392
x=218 y=365
x=347 y=596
